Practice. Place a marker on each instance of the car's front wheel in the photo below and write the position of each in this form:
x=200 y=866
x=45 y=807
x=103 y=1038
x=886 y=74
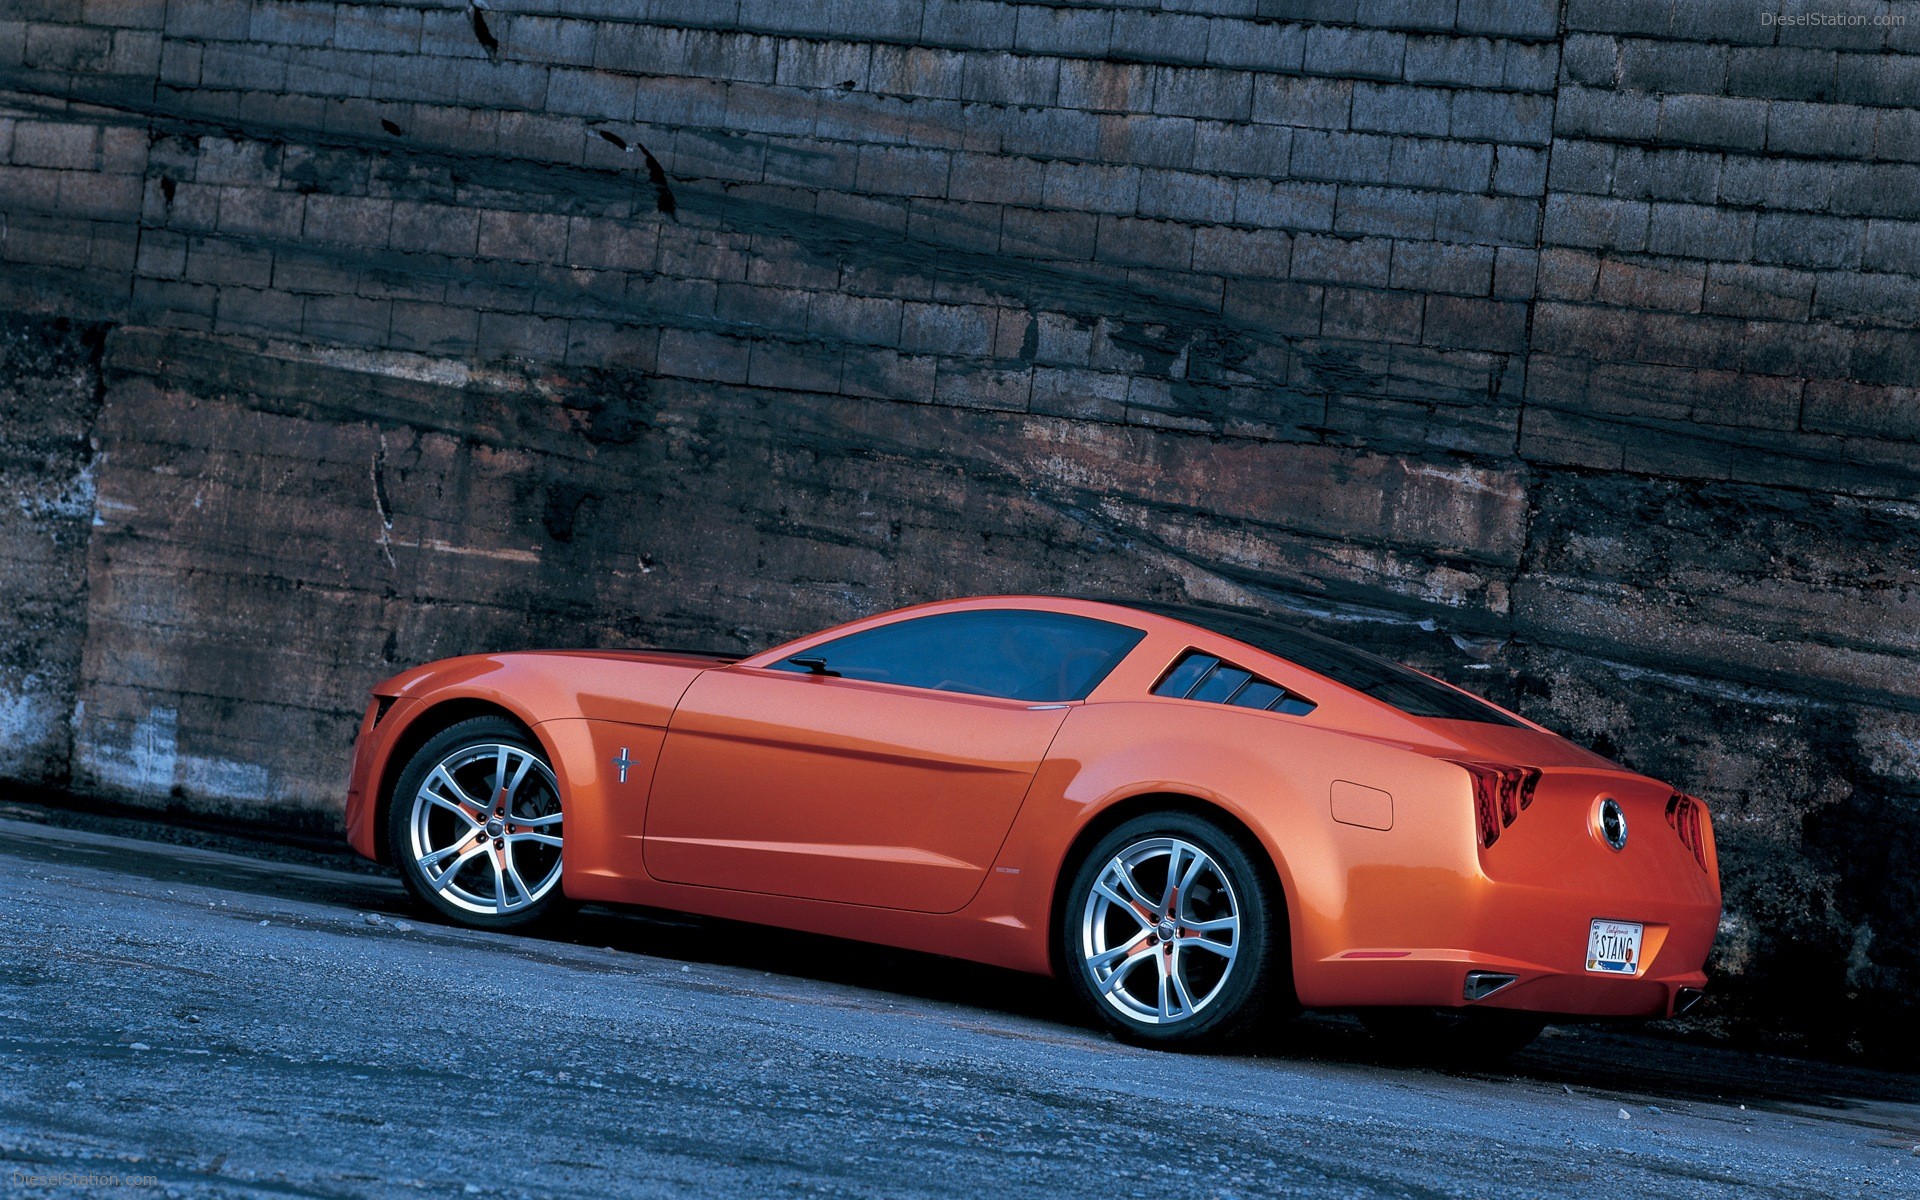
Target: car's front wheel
x=1168 y=932
x=476 y=825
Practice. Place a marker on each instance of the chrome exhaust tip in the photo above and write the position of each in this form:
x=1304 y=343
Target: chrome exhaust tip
x=1481 y=984
x=1686 y=1000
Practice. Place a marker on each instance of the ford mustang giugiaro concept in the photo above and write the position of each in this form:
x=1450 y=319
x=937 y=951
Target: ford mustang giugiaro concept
x=1195 y=816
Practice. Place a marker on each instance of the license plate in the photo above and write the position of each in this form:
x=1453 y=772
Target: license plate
x=1613 y=947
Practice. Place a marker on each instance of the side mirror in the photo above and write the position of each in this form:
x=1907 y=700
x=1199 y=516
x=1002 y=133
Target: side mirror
x=814 y=665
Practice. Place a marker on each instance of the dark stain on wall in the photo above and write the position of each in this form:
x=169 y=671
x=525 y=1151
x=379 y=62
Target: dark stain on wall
x=50 y=376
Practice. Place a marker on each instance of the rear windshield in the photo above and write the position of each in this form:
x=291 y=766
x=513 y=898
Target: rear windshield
x=1384 y=680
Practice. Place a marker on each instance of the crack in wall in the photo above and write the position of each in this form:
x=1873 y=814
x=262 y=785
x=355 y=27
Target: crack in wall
x=382 y=506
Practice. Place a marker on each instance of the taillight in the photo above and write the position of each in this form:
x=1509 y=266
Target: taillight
x=1500 y=795
x=1687 y=815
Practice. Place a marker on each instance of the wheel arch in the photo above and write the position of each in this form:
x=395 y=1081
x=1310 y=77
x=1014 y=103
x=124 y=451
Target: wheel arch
x=1119 y=812
x=421 y=728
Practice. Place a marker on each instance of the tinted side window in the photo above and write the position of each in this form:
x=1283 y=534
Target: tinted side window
x=1200 y=676
x=1018 y=654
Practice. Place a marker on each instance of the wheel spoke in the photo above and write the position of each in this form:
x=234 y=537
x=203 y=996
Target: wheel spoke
x=1171 y=891
x=499 y=882
x=1179 y=984
x=1225 y=950
x=1120 y=973
x=1200 y=863
x=438 y=856
x=1226 y=924
x=455 y=809
x=499 y=774
x=1105 y=890
x=439 y=882
x=1124 y=875
x=1160 y=960
x=543 y=839
x=513 y=877
x=1101 y=960
x=459 y=797
x=549 y=819
x=513 y=785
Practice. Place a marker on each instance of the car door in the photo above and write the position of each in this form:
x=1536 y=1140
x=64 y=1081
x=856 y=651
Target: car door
x=886 y=772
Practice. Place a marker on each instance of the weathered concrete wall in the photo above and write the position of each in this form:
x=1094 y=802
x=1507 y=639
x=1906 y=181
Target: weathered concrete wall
x=1567 y=350
x=50 y=381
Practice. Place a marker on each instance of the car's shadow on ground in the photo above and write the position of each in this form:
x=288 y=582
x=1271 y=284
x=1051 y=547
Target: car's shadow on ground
x=1604 y=1061
x=1621 y=1061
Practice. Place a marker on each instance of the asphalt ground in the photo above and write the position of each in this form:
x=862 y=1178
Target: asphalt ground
x=261 y=1020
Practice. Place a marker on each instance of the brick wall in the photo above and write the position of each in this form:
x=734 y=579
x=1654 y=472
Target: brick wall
x=1568 y=350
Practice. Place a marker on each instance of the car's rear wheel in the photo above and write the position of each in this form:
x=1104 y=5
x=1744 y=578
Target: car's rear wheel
x=1168 y=932
x=1457 y=1037
x=476 y=826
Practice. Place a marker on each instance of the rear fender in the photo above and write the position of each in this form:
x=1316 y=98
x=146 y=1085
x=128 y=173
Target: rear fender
x=1274 y=775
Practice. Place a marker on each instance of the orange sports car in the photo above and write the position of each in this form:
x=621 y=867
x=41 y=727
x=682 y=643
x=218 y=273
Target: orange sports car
x=1195 y=816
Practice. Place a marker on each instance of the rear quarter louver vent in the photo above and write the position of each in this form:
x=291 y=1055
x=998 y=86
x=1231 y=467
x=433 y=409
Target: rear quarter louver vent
x=1198 y=676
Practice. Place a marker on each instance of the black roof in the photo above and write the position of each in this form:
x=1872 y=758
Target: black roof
x=1383 y=679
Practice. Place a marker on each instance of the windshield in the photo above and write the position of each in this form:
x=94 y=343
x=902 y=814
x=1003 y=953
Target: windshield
x=1384 y=680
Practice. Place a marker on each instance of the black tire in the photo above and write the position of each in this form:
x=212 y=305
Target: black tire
x=1452 y=1037
x=1256 y=980
x=472 y=751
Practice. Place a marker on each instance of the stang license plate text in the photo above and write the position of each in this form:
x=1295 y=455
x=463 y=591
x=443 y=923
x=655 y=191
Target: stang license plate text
x=1613 y=947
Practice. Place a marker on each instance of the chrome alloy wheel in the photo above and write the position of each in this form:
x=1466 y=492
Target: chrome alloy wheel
x=1160 y=931
x=485 y=829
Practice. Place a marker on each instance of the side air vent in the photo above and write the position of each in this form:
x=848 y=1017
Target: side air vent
x=1200 y=676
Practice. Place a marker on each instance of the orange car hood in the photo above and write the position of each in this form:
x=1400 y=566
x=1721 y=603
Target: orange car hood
x=450 y=670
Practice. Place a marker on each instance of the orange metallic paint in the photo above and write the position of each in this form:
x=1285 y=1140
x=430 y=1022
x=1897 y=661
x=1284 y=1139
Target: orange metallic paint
x=943 y=822
x=838 y=789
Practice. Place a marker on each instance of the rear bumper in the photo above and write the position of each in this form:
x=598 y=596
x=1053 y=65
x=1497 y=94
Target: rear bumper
x=1569 y=995
x=1536 y=934
x=1438 y=978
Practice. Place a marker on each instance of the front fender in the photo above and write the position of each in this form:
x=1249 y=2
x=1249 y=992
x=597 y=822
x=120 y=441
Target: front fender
x=537 y=689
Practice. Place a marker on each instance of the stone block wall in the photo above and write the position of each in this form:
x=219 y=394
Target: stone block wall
x=1565 y=349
